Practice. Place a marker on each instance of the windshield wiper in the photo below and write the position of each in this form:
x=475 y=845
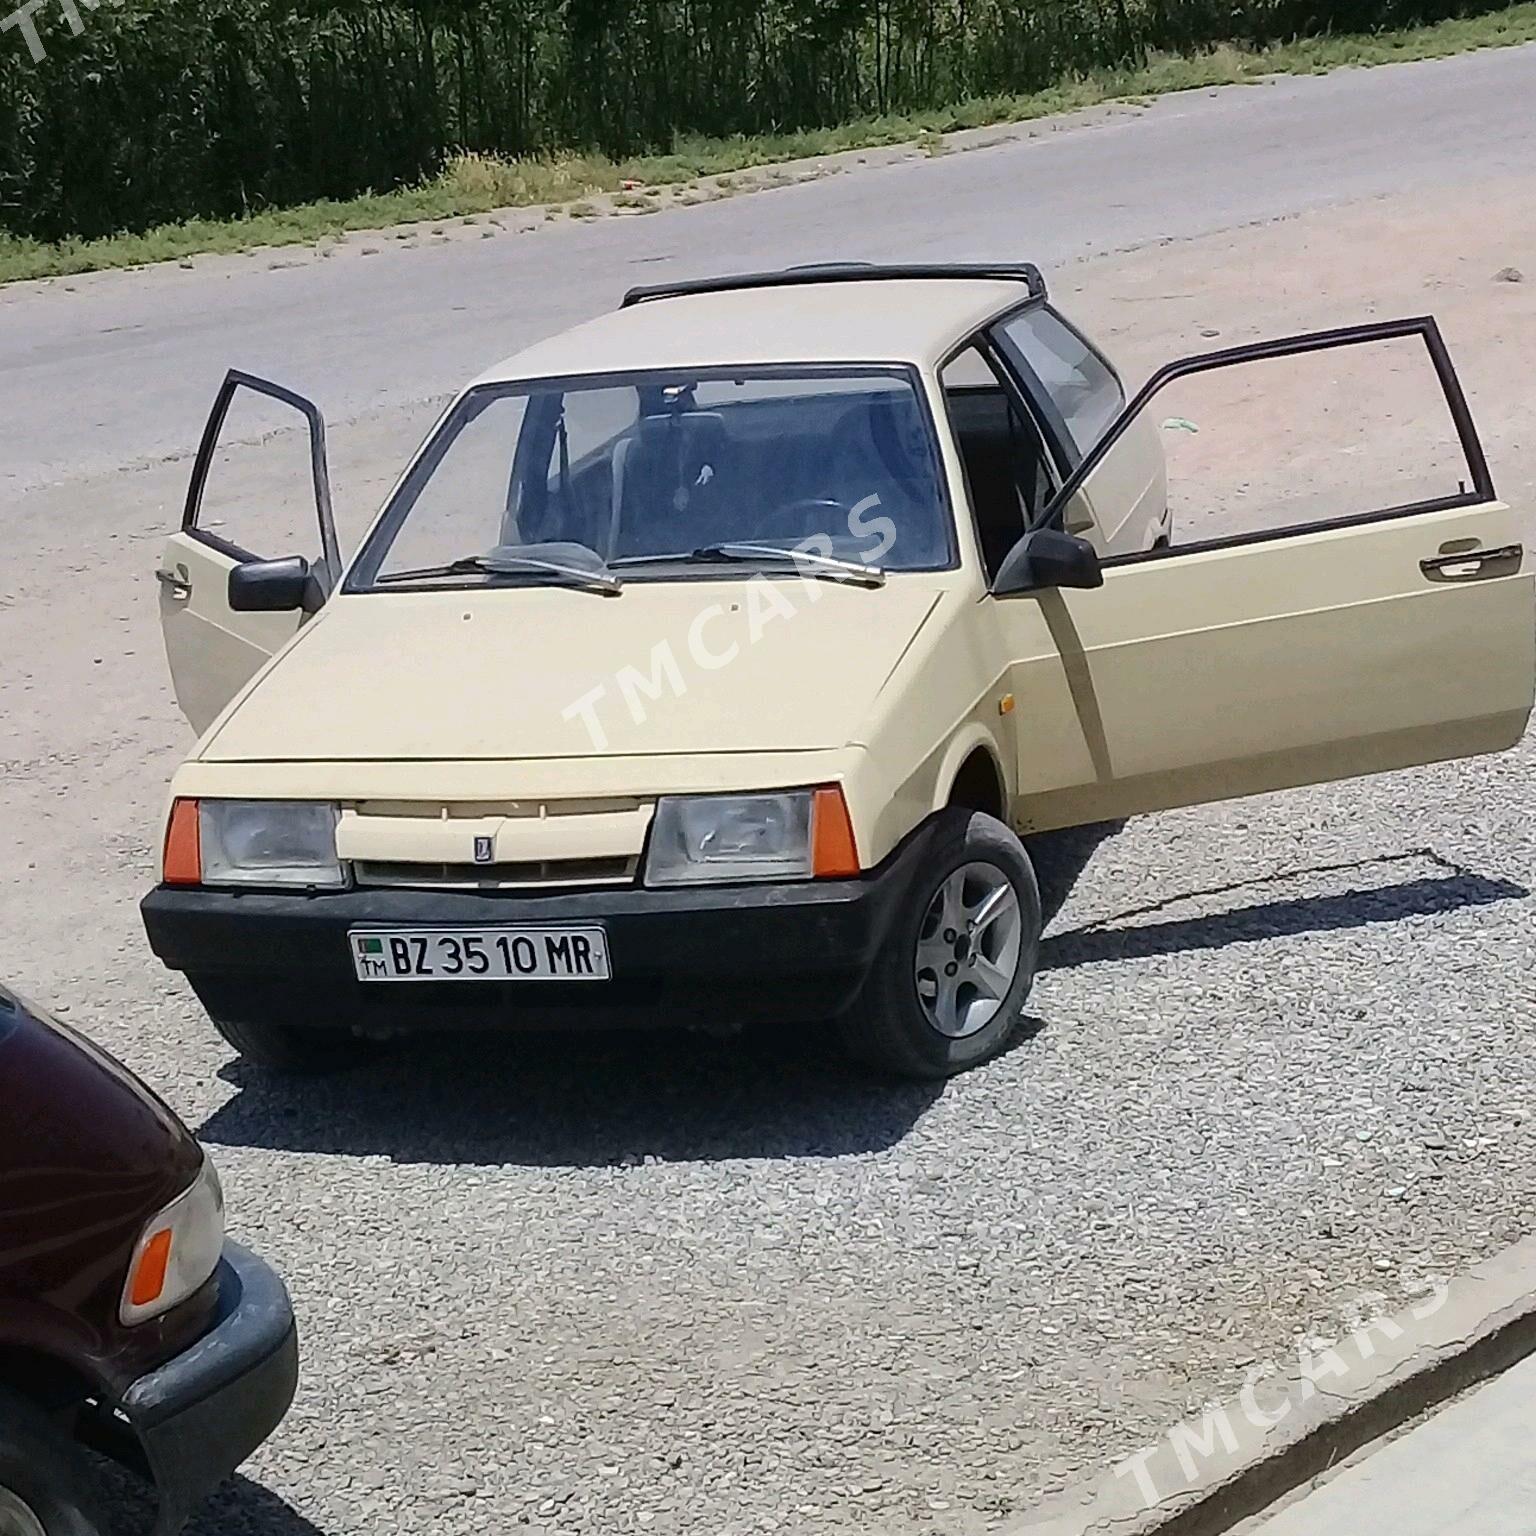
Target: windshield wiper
x=807 y=561
x=590 y=578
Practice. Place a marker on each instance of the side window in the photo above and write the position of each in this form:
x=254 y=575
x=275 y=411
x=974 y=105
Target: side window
x=1004 y=458
x=1080 y=383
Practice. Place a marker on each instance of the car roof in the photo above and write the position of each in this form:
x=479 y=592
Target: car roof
x=882 y=320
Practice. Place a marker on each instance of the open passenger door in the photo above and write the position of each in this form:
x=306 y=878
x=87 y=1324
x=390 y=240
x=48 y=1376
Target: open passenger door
x=212 y=648
x=1383 y=635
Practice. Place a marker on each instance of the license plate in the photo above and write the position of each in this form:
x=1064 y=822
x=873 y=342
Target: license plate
x=480 y=954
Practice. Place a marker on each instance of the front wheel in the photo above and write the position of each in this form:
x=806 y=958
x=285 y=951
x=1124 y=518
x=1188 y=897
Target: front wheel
x=47 y=1488
x=948 y=987
x=294 y=1051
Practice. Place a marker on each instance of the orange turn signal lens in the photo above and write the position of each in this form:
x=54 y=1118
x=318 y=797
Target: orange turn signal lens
x=154 y=1262
x=183 y=862
x=834 y=854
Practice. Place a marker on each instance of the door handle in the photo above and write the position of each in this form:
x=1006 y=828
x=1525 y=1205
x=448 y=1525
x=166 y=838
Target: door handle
x=1470 y=561
x=175 y=583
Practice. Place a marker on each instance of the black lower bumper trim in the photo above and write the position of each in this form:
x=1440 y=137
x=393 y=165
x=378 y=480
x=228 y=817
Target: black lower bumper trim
x=200 y=1415
x=741 y=954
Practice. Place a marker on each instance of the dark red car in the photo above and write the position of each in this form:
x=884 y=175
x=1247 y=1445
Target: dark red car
x=128 y=1324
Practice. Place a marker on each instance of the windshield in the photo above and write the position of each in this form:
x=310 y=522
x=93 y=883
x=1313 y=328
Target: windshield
x=525 y=481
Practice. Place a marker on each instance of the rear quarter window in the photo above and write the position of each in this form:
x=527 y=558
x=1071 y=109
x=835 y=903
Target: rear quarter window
x=1082 y=386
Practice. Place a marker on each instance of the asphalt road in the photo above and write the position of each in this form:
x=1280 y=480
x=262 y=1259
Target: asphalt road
x=118 y=369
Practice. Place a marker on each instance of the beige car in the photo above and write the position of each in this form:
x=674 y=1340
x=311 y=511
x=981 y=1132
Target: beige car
x=709 y=662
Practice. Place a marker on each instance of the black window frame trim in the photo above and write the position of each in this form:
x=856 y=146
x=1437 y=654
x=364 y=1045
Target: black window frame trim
x=1424 y=327
x=1058 y=435
x=1028 y=388
x=320 y=476
x=1019 y=394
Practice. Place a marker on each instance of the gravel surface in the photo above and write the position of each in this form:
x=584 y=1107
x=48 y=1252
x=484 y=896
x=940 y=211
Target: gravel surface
x=1279 y=1056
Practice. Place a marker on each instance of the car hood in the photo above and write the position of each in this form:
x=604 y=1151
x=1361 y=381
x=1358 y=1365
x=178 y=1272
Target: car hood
x=87 y=1155
x=80 y=1066
x=750 y=665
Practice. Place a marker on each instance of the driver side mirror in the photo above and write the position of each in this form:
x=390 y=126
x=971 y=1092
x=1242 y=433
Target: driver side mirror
x=1048 y=558
x=275 y=586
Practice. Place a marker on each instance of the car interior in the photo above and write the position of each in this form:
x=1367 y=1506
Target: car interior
x=1007 y=470
x=778 y=470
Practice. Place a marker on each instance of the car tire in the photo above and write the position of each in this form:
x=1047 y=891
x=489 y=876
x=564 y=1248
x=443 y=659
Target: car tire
x=294 y=1051
x=942 y=999
x=47 y=1486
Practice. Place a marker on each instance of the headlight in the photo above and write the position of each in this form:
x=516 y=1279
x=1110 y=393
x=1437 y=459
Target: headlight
x=268 y=842
x=177 y=1251
x=798 y=835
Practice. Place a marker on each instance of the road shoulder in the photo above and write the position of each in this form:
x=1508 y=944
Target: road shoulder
x=1240 y=1457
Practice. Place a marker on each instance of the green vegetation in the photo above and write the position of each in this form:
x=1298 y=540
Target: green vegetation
x=139 y=175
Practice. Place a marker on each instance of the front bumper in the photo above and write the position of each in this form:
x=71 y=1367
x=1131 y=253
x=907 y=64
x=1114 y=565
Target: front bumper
x=711 y=955
x=201 y=1414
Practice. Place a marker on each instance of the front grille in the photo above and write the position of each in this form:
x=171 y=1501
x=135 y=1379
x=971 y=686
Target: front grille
x=554 y=872
x=459 y=810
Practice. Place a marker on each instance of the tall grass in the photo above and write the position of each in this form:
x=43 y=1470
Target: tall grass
x=169 y=110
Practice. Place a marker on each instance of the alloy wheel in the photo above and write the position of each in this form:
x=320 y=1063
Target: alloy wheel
x=968 y=950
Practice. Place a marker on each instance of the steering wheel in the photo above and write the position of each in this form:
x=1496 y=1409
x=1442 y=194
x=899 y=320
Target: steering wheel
x=807 y=516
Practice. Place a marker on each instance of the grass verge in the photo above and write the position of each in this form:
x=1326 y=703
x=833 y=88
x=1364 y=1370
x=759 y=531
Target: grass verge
x=473 y=185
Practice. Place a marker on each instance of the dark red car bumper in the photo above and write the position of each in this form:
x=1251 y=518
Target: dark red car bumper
x=198 y=1416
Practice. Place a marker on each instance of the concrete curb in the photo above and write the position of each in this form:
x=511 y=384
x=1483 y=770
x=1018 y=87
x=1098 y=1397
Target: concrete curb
x=1231 y=1463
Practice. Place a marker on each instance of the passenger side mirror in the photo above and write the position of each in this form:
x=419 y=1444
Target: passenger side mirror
x=1047 y=558
x=275 y=586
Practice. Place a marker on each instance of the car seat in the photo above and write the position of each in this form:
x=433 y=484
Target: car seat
x=667 y=484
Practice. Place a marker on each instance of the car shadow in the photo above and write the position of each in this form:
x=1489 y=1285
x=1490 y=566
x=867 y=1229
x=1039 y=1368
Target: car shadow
x=1060 y=859
x=611 y=1099
x=237 y=1505
x=1427 y=896
x=593 y=1100
x=580 y=1100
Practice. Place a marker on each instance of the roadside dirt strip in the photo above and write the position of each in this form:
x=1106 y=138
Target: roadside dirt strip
x=1280 y=1071
x=1239 y=1458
